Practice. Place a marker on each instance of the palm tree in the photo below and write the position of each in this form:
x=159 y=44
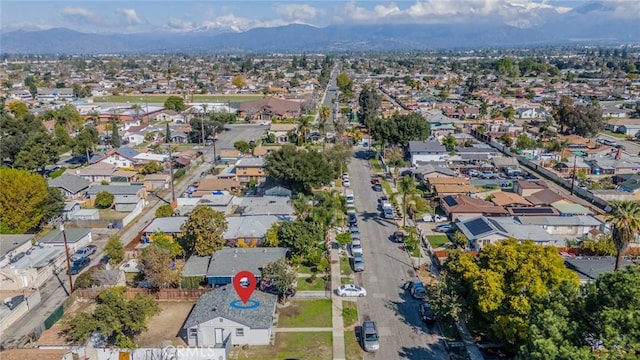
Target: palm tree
x=625 y=219
x=406 y=186
x=324 y=112
x=304 y=125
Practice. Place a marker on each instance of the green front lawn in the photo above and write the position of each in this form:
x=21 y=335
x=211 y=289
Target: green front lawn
x=387 y=188
x=614 y=134
x=352 y=348
x=349 y=313
x=304 y=284
x=304 y=269
x=345 y=266
x=375 y=164
x=301 y=345
x=306 y=313
x=437 y=241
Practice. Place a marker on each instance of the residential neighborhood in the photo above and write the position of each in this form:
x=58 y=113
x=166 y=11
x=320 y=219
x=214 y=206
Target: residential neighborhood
x=387 y=205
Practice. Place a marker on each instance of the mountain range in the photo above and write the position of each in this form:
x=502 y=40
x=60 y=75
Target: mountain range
x=570 y=28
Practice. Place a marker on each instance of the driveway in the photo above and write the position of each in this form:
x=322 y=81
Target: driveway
x=387 y=267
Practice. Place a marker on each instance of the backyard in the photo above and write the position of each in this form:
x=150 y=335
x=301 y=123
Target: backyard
x=166 y=325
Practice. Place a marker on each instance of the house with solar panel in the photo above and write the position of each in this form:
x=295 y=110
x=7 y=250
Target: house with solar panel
x=482 y=231
x=458 y=206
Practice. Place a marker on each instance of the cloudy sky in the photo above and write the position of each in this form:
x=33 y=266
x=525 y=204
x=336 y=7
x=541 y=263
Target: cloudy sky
x=107 y=16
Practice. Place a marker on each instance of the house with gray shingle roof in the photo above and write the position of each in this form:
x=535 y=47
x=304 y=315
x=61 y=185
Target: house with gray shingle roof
x=227 y=262
x=220 y=315
x=249 y=230
x=426 y=151
x=71 y=185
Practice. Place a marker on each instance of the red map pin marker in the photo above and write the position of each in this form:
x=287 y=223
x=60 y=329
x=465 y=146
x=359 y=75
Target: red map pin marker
x=244 y=282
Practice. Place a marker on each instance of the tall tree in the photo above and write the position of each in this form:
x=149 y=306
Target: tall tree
x=22 y=197
x=282 y=276
x=625 y=218
x=406 y=186
x=159 y=266
x=39 y=150
x=369 y=101
x=174 y=102
x=303 y=170
x=53 y=204
x=115 y=140
x=204 y=230
x=583 y=120
x=325 y=113
x=114 y=250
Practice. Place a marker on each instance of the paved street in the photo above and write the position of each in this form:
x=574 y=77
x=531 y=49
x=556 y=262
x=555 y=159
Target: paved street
x=632 y=148
x=387 y=267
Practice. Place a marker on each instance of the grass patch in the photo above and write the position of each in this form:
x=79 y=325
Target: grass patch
x=387 y=188
x=614 y=134
x=160 y=99
x=306 y=313
x=345 y=266
x=304 y=269
x=302 y=345
x=352 y=348
x=437 y=241
x=415 y=252
x=346 y=280
x=304 y=284
x=375 y=164
x=5 y=229
x=349 y=313
x=58 y=172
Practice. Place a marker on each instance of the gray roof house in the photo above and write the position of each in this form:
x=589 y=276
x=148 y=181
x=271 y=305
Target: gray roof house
x=76 y=238
x=482 y=230
x=117 y=190
x=72 y=186
x=220 y=317
x=167 y=225
x=266 y=205
x=249 y=230
x=426 y=151
x=227 y=262
x=588 y=268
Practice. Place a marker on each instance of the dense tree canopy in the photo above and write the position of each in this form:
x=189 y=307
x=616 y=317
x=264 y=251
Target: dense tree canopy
x=158 y=264
x=303 y=170
x=203 y=231
x=117 y=317
x=114 y=250
x=583 y=120
x=400 y=129
x=22 y=199
x=174 y=103
x=300 y=236
x=369 y=101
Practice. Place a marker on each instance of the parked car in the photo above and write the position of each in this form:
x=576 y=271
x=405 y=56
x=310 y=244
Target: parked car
x=370 y=338
x=382 y=199
x=358 y=262
x=356 y=247
x=426 y=312
x=375 y=181
x=13 y=302
x=85 y=251
x=346 y=183
x=78 y=265
x=416 y=289
x=377 y=188
x=16 y=257
x=444 y=228
x=131 y=266
x=352 y=218
x=388 y=213
x=398 y=236
x=351 y=290
x=355 y=233
x=434 y=218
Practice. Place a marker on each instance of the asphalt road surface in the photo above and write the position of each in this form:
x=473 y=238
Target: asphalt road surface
x=631 y=148
x=387 y=266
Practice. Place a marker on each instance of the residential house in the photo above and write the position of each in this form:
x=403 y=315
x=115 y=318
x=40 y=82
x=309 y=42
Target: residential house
x=509 y=199
x=530 y=113
x=167 y=115
x=266 y=205
x=589 y=268
x=622 y=126
x=72 y=186
x=167 y=225
x=22 y=95
x=229 y=156
x=53 y=94
x=568 y=208
x=250 y=170
x=270 y=108
x=282 y=131
x=432 y=171
x=627 y=182
x=265 y=150
x=443 y=186
x=482 y=230
x=70 y=209
x=544 y=197
x=528 y=188
x=578 y=225
x=456 y=206
x=217 y=201
x=159 y=181
x=227 y=262
x=505 y=163
x=523 y=211
x=126 y=197
x=211 y=184
x=426 y=151
x=123 y=157
x=248 y=231
x=278 y=191
x=219 y=317
x=13 y=244
x=75 y=238
x=99 y=172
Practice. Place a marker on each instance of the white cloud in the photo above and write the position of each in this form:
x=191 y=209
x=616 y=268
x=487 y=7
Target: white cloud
x=130 y=16
x=80 y=15
x=298 y=11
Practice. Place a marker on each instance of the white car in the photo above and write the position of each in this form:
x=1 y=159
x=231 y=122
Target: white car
x=346 y=183
x=351 y=290
x=356 y=247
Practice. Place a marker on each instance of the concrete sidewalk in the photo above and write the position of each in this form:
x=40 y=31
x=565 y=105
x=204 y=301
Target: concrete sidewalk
x=336 y=308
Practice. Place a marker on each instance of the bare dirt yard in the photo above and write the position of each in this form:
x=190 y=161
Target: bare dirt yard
x=164 y=328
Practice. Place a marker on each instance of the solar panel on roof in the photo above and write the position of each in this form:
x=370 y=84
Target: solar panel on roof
x=450 y=200
x=478 y=226
x=524 y=211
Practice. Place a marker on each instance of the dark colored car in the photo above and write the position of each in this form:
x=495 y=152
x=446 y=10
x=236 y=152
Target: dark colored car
x=353 y=220
x=14 y=301
x=416 y=289
x=377 y=187
x=426 y=312
x=398 y=236
x=17 y=257
x=78 y=265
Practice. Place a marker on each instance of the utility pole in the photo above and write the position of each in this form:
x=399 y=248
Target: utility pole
x=173 y=191
x=573 y=178
x=66 y=249
x=213 y=117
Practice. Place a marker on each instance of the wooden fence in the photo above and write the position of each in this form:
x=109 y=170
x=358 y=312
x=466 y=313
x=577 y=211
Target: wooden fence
x=159 y=294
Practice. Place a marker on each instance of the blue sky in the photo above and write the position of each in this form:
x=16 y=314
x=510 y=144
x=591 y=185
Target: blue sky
x=107 y=16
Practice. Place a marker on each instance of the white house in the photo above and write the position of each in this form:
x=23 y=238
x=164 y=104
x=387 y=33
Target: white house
x=220 y=314
x=530 y=113
x=426 y=151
